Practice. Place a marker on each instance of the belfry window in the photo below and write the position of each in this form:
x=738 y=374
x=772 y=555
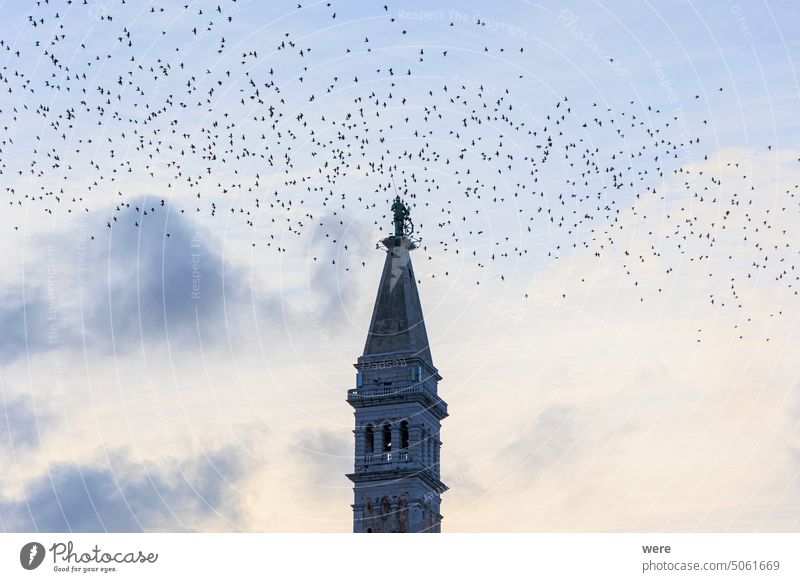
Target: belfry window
x=404 y=434
x=359 y=379
x=369 y=439
x=387 y=437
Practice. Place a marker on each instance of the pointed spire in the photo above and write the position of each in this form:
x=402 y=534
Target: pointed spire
x=397 y=328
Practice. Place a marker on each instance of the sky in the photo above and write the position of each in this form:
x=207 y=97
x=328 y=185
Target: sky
x=606 y=367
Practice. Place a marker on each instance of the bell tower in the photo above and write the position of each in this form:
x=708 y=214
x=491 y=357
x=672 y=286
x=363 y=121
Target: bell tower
x=398 y=412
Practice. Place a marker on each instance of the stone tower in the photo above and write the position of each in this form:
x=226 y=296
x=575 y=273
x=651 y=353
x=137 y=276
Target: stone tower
x=398 y=413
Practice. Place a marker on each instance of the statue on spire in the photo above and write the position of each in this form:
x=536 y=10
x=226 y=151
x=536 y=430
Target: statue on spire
x=402 y=221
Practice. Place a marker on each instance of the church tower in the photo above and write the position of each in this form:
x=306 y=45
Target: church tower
x=398 y=412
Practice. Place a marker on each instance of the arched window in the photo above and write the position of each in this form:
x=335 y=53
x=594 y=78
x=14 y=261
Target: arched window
x=387 y=437
x=402 y=507
x=369 y=439
x=404 y=434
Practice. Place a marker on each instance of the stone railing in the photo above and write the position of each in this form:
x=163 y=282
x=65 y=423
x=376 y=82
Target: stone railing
x=388 y=457
x=401 y=456
x=384 y=392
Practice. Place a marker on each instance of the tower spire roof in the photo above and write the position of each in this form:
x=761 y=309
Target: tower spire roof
x=397 y=328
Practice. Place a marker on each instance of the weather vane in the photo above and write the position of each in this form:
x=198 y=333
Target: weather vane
x=402 y=221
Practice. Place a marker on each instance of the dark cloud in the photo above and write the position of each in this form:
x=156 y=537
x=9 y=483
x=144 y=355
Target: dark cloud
x=123 y=495
x=148 y=286
x=20 y=425
x=132 y=285
x=23 y=326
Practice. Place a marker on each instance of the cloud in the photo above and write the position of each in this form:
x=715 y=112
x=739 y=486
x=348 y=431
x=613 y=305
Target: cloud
x=546 y=442
x=126 y=495
x=21 y=425
x=18 y=320
x=149 y=286
x=325 y=456
x=130 y=286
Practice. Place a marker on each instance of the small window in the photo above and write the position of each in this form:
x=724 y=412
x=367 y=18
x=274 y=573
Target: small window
x=404 y=434
x=416 y=373
x=387 y=437
x=369 y=439
x=359 y=379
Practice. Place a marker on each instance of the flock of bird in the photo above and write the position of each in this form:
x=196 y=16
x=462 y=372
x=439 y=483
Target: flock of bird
x=299 y=126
